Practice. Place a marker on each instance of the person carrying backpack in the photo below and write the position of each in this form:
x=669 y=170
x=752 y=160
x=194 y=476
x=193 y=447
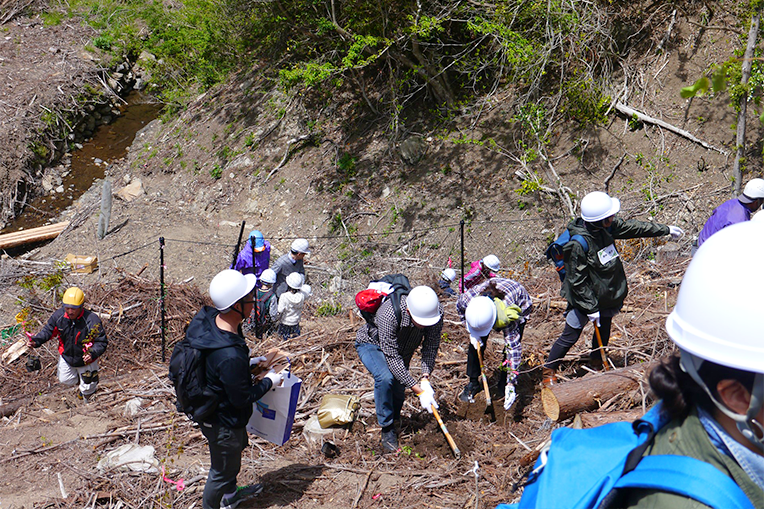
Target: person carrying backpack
x=595 y=281
x=702 y=444
x=265 y=312
x=216 y=332
x=516 y=305
x=386 y=349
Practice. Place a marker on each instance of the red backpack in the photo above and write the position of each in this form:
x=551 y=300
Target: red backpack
x=369 y=300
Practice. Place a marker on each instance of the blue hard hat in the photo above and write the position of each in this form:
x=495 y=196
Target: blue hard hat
x=257 y=239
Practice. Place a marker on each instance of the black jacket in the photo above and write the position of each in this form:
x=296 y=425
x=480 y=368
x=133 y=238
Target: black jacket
x=227 y=365
x=591 y=285
x=73 y=335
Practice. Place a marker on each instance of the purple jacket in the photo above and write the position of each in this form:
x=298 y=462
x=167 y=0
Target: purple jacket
x=244 y=260
x=729 y=212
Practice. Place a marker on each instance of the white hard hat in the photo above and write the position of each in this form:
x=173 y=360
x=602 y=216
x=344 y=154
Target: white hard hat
x=294 y=280
x=754 y=190
x=492 y=262
x=423 y=305
x=300 y=246
x=307 y=290
x=229 y=286
x=268 y=276
x=448 y=274
x=724 y=267
x=480 y=316
x=597 y=206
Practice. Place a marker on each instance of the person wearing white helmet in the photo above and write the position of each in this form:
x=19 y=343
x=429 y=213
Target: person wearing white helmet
x=515 y=304
x=255 y=257
x=265 y=312
x=289 y=263
x=480 y=271
x=713 y=389
x=595 y=282
x=735 y=210
x=216 y=331
x=386 y=350
x=290 y=306
x=446 y=278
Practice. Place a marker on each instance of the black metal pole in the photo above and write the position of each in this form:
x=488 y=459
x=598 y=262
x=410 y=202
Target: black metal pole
x=238 y=243
x=461 y=231
x=161 y=293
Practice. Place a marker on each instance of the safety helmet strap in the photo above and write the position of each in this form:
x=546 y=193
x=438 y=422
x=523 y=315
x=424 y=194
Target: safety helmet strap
x=691 y=363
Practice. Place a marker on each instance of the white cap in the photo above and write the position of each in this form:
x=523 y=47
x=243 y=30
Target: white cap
x=448 y=274
x=754 y=190
x=597 y=206
x=301 y=246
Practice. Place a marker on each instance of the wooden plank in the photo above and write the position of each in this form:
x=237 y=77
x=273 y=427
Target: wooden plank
x=22 y=237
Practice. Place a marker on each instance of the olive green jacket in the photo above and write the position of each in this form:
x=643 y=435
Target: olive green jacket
x=689 y=438
x=591 y=285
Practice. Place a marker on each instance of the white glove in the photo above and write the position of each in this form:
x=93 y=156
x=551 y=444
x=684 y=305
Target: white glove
x=509 y=395
x=254 y=361
x=675 y=232
x=595 y=317
x=427 y=396
x=274 y=377
x=476 y=342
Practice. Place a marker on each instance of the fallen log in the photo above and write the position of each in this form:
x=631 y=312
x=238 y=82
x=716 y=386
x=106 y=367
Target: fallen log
x=22 y=237
x=592 y=391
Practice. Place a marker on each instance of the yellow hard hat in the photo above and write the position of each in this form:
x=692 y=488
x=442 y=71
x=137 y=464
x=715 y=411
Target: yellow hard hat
x=74 y=297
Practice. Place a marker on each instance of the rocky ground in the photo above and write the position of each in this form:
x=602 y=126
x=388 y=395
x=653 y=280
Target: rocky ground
x=220 y=162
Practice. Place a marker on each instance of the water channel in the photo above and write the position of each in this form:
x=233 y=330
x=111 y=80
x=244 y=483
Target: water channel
x=88 y=164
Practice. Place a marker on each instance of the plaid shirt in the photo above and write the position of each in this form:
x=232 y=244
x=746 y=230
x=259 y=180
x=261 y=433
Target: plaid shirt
x=514 y=293
x=399 y=343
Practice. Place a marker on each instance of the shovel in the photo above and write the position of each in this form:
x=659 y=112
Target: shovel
x=488 y=403
x=602 y=348
x=449 y=438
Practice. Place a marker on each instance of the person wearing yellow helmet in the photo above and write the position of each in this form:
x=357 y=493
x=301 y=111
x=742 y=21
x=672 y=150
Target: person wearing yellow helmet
x=81 y=341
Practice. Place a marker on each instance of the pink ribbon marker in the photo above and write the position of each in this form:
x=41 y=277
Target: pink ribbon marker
x=180 y=485
x=375 y=497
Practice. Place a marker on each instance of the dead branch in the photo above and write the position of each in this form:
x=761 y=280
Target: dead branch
x=632 y=113
x=286 y=154
x=746 y=74
x=612 y=173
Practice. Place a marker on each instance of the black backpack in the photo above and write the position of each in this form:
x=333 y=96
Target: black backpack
x=401 y=286
x=188 y=374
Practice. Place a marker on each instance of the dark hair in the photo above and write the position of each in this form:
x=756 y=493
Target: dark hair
x=680 y=392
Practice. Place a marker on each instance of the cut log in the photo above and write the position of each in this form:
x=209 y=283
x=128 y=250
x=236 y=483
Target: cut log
x=590 y=392
x=10 y=408
x=22 y=237
x=591 y=420
x=16 y=350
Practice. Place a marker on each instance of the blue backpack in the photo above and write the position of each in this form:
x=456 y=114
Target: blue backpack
x=564 y=475
x=554 y=252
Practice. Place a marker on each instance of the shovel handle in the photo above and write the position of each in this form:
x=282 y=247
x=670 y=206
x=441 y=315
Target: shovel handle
x=602 y=348
x=449 y=438
x=483 y=377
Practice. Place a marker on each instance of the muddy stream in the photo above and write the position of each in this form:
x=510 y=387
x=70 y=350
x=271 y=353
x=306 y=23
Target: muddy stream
x=88 y=164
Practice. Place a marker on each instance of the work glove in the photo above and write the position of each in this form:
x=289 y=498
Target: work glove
x=675 y=232
x=594 y=317
x=274 y=377
x=476 y=342
x=30 y=342
x=513 y=312
x=427 y=396
x=254 y=361
x=509 y=395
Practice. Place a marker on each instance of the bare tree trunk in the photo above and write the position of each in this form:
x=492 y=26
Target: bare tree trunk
x=747 y=64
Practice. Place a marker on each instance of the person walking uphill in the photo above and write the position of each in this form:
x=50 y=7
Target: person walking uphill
x=255 y=257
x=386 y=349
x=595 y=282
x=289 y=263
x=216 y=331
x=81 y=341
x=735 y=210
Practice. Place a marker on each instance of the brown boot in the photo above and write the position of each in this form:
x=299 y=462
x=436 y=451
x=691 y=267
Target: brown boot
x=549 y=377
